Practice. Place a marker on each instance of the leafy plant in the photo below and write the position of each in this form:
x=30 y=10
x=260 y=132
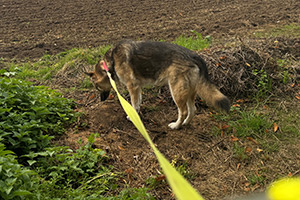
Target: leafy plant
x=264 y=84
x=29 y=115
x=82 y=172
x=133 y=194
x=16 y=182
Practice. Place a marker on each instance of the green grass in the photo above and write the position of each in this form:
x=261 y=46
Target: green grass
x=239 y=152
x=256 y=179
x=289 y=30
x=49 y=65
x=195 y=43
x=250 y=124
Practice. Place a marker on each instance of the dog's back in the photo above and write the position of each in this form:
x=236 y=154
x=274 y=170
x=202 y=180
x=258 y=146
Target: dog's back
x=149 y=59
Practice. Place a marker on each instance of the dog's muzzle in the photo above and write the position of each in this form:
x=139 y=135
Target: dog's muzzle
x=104 y=95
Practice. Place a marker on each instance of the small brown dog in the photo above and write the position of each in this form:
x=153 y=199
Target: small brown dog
x=140 y=63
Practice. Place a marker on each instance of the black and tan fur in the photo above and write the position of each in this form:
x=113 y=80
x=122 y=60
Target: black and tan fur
x=140 y=63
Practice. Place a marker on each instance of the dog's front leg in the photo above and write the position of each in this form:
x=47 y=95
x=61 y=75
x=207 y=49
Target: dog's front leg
x=135 y=97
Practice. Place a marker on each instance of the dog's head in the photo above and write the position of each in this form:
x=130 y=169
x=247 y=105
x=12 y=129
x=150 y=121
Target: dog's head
x=100 y=80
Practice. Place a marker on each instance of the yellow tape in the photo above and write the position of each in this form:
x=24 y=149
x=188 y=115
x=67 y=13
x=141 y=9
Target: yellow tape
x=285 y=189
x=181 y=188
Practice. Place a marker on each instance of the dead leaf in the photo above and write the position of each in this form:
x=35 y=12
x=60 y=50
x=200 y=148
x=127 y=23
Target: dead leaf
x=225 y=127
x=293 y=85
x=160 y=177
x=181 y=14
x=290 y=174
x=121 y=148
x=92 y=96
x=234 y=139
x=247 y=184
x=111 y=97
x=252 y=140
x=240 y=101
x=248 y=64
x=275 y=127
x=129 y=171
x=236 y=105
x=248 y=149
x=222 y=57
x=259 y=150
x=266 y=131
x=247 y=189
x=298 y=97
x=238 y=165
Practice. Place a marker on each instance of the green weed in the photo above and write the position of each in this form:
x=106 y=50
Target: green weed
x=195 y=43
x=86 y=83
x=239 y=152
x=264 y=83
x=256 y=179
x=182 y=167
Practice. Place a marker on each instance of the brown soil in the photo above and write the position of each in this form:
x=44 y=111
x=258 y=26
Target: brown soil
x=32 y=28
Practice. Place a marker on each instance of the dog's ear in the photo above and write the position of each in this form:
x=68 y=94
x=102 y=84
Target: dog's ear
x=99 y=67
x=91 y=73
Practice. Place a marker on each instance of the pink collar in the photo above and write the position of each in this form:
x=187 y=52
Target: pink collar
x=105 y=66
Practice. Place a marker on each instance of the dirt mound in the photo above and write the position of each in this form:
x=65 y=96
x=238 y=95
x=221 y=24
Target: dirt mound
x=254 y=67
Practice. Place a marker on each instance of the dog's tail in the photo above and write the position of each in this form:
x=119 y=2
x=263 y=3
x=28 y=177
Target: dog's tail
x=210 y=93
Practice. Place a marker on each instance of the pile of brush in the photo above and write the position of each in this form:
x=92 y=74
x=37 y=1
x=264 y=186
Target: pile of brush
x=255 y=68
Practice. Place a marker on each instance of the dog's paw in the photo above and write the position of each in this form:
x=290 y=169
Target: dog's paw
x=174 y=125
x=185 y=122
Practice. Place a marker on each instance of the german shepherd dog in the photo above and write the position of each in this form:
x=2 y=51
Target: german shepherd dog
x=140 y=63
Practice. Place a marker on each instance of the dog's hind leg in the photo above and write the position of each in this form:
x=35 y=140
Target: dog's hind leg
x=191 y=108
x=180 y=95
